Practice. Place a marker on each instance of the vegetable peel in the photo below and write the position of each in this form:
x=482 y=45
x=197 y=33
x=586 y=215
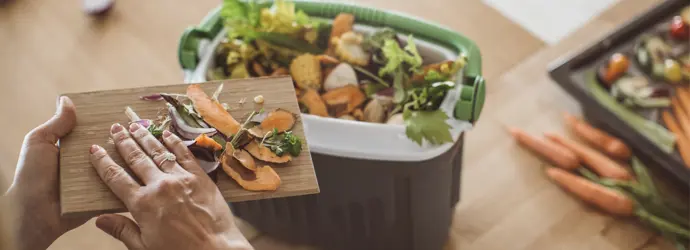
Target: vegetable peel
x=264 y=153
x=212 y=112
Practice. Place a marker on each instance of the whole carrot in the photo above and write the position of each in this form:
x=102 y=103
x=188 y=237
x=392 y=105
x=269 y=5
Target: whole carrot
x=681 y=141
x=605 y=198
x=556 y=154
x=598 y=162
x=599 y=139
x=683 y=97
x=680 y=113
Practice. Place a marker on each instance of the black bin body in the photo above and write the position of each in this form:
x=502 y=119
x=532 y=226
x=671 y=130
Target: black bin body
x=365 y=204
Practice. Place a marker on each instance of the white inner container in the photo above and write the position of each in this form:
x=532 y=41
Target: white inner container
x=355 y=139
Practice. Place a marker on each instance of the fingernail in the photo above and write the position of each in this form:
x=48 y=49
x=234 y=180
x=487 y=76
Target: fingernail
x=94 y=148
x=134 y=127
x=166 y=133
x=116 y=128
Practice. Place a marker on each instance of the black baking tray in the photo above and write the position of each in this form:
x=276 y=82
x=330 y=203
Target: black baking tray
x=570 y=73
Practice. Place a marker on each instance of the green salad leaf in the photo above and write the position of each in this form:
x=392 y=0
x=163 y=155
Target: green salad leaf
x=283 y=143
x=280 y=18
x=246 y=18
x=396 y=57
x=240 y=18
x=427 y=125
x=376 y=41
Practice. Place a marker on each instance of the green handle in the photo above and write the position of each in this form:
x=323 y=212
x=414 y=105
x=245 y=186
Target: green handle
x=189 y=41
x=471 y=101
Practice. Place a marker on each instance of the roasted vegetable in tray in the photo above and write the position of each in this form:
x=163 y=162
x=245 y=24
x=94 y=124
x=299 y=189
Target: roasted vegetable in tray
x=245 y=150
x=338 y=72
x=640 y=84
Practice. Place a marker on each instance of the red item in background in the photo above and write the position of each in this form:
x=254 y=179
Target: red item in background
x=679 y=29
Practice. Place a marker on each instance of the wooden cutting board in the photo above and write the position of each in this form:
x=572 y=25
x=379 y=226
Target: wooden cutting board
x=81 y=189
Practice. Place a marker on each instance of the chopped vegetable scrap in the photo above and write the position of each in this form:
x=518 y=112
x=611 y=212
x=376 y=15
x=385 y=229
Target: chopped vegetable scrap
x=212 y=111
x=264 y=153
x=337 y=69
x=215 y=138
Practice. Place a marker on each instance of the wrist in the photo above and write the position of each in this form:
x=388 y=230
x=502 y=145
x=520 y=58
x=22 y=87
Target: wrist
x=28 y=231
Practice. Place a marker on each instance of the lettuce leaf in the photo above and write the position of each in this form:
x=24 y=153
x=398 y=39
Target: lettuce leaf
x=241 y=19
x=396 y=56
x=284 y=19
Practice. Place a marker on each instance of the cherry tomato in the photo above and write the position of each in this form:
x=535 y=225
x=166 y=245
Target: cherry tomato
x=679 y=29
x=617 y=66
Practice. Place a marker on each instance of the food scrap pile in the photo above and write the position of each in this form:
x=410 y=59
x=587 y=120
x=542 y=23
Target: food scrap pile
x=245 y=150
x=338 y=72
x=606 y=181
x=641 y=84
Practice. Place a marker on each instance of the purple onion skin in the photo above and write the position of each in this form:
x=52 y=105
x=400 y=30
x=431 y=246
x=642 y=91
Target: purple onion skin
x=202 y=153
x=205 y=157
x=153 y=97
x=186 y=132
x=208 y=166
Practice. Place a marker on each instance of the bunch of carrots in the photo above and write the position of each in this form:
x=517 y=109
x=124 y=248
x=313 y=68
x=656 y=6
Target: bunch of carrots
x=679 y=122
x=604 y=173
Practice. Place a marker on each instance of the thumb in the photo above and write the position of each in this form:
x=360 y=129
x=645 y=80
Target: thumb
x=121 y=228
x=64 y=120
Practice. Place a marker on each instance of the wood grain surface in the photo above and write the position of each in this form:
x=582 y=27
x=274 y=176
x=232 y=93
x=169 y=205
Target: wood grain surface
x=81 y=190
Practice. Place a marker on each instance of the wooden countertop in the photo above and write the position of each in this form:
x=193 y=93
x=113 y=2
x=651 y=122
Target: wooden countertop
x=51 y=47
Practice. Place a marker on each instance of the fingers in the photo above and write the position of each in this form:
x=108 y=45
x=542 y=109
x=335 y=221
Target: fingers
x=121 y=228
x=58 y=126
x=140 y=163
x=182 y=153
x=159 y=153
x=113 y=175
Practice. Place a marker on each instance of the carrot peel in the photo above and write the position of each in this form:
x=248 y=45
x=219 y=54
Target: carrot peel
x=212 y=112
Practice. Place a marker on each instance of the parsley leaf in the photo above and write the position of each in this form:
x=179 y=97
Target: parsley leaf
x=283 y=143
x=429 y=125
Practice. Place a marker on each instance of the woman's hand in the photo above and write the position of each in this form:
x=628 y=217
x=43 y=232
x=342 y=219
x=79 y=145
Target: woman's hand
x=178 y=207
x=34 y=192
